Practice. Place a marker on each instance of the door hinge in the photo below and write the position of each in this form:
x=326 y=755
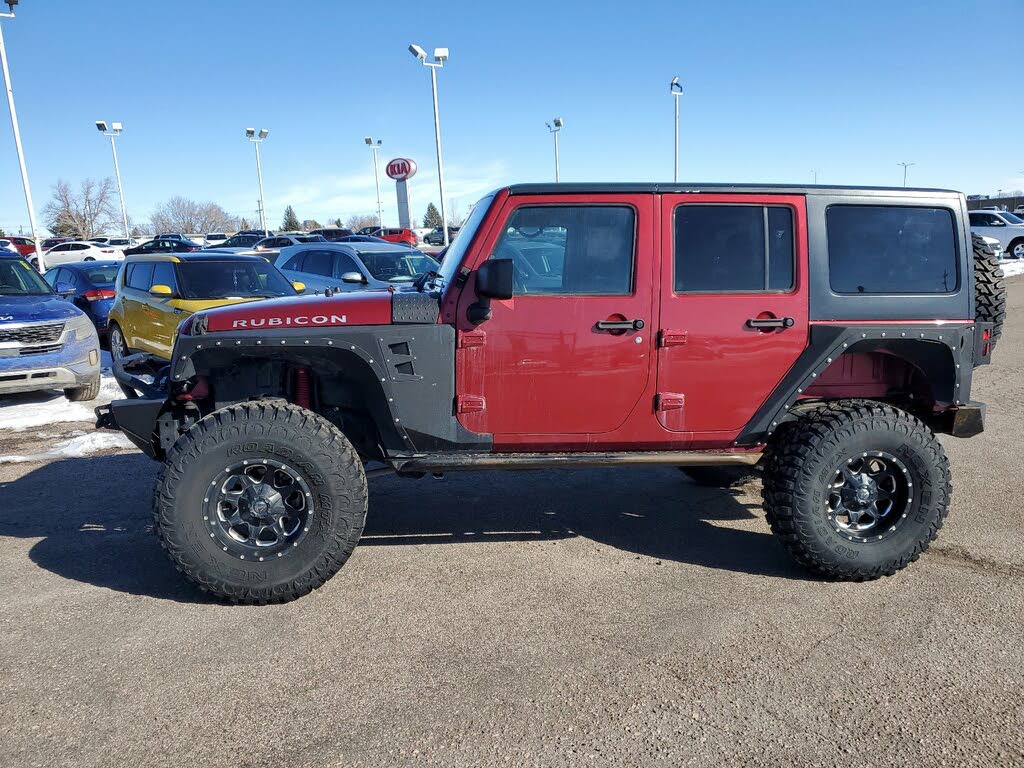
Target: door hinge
x=667 y=338
x=470 y=404
x=669 y=401
x=471 y=339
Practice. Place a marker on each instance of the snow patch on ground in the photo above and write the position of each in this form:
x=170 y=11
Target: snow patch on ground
x=1012 y=268
x=37 y=409
x=74 y=448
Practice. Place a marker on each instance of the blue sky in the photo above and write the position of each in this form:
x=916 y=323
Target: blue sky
x=772 y=91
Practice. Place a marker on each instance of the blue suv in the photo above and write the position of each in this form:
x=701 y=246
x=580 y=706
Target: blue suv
x=45 y=341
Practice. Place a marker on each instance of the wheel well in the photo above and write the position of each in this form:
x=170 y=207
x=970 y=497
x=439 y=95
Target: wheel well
x=341 y=387
x=911 y=374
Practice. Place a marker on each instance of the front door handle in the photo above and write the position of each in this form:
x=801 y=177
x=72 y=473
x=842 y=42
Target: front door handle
x=620 y=325
x=770 y=322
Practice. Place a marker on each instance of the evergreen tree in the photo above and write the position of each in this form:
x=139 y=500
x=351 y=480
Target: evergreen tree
x=291 y=222
x=432 y=218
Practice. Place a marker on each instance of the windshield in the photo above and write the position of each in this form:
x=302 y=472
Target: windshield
x=242 y=241
x=456 y=251
x=17 y=278
x=400 y=267
x=101 y=275
x=231 y=279
x=310 y=239
x=1013 y=219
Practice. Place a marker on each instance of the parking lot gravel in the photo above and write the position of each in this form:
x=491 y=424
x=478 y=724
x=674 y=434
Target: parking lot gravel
x=586 y=617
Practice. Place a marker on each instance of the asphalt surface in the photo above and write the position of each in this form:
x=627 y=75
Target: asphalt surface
x=586 y=617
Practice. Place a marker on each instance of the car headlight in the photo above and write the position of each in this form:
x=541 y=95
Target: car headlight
x=80 y=328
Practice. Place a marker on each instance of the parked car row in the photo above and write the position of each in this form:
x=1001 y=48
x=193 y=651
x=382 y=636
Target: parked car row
x=1004 y=227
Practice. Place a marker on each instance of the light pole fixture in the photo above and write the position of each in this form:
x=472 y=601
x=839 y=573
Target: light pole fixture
x=375 y=146
x=553 y=130
x=17 y=139
x=257 y=139
x=676 y=89
x=113 y=130
x=440 y=57
x=905 y=166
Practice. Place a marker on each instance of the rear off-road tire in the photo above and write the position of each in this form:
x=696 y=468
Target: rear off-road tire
x=989 y=289
x=808 y=473
x=263 y=451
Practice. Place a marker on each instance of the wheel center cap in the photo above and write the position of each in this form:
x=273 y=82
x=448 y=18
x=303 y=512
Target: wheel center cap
x=260 y=507
x=863 y=494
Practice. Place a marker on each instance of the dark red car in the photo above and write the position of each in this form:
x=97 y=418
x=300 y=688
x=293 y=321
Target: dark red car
x=402 y=235
x=26 y=246
x=824 y=334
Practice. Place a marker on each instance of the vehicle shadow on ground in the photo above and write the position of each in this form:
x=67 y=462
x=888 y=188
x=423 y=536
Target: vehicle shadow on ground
x=654 y=512
x=92 y=516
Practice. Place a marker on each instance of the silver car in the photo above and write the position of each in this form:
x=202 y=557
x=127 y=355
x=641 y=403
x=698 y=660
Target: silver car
x=1007 y=228
x=353 y=266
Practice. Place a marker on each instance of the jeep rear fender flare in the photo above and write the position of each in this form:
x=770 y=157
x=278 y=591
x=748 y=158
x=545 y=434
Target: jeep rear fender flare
x=943 y=354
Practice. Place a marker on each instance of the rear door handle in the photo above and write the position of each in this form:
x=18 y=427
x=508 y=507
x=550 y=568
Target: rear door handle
x=620 y=325
x=770 y=322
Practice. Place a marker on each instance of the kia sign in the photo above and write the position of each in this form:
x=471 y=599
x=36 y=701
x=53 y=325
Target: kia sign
x=401 y=168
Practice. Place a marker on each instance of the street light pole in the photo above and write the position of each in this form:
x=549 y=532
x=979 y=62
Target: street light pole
x=257 y=139
x=376 y=178
x=17 y=142
x=676 y=89
x=554 y=132
x=905 y=166
x=440 y=57
x=113 y=132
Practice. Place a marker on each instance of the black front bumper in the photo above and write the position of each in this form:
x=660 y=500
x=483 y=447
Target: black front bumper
x=138 y=416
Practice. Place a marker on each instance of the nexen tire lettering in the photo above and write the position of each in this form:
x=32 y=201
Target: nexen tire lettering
x=274 y=322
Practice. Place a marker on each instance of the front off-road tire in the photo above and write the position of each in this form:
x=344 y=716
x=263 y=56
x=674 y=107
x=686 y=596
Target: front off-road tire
x=989 y=289
x=260 y=502
x=814 y=472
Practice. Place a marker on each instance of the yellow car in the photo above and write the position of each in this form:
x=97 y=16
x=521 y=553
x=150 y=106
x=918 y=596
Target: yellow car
x=155 y=293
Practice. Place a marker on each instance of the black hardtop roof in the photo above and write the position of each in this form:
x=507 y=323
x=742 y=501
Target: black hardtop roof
x=588 y=188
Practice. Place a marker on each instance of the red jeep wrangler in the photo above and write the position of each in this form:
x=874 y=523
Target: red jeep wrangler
x=823 y=333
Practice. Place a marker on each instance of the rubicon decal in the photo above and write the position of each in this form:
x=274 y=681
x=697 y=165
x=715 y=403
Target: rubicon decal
x=284 y=322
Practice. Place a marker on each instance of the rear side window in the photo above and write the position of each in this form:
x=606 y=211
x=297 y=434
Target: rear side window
x=582 y=250
x=891 y=249
x=733 y=249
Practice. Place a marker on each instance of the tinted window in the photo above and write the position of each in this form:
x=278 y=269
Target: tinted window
x=346 y=263
x=983 y=220
x=891 y=249
x=101 y=275
x=318 y=263
x=17 y=278
x=139 y=275
x=51 y=276
x=570 y=250
x=733 y=248
x=163 y=274
x=78 y=247
x=1013 y=219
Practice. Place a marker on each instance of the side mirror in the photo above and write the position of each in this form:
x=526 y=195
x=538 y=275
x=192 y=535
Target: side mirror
x=65 y=289
x=353 y=277
x=163 y=291
x=494 y=279
x=299 y=287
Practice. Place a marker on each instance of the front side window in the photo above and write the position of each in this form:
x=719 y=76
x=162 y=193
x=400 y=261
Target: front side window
x=139 y=275
x=891 y=249
x=733 y=248
x=163 y=274
x=570 y=250
x=318 y=263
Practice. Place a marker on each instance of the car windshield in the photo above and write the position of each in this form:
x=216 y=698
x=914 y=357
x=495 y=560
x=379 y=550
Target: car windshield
x=232 y=279
x=242 y=241
x=101 y=275
x=397 y=267
x=310 y=239
x=453 y=257
x=216 y=236
x=17 y=278
x=118 y=241
x=1013 y=219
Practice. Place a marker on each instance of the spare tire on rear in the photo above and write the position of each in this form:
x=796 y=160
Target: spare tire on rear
x=989 y=289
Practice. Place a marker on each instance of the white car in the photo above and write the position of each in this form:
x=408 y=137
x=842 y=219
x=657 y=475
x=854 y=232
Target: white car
x=992 y=243
x=213 y=239
x=1007 y=228
x=7 y=245
x=79 y=250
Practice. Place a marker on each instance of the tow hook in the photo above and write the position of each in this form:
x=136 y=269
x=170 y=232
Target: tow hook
x=437 y=475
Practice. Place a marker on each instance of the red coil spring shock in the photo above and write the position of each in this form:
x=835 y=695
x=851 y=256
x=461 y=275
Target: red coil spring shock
x=302 y=391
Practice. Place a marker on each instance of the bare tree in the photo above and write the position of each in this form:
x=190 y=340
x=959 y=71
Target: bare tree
x=179 y=214
x=83 y=214
x=360 y=221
